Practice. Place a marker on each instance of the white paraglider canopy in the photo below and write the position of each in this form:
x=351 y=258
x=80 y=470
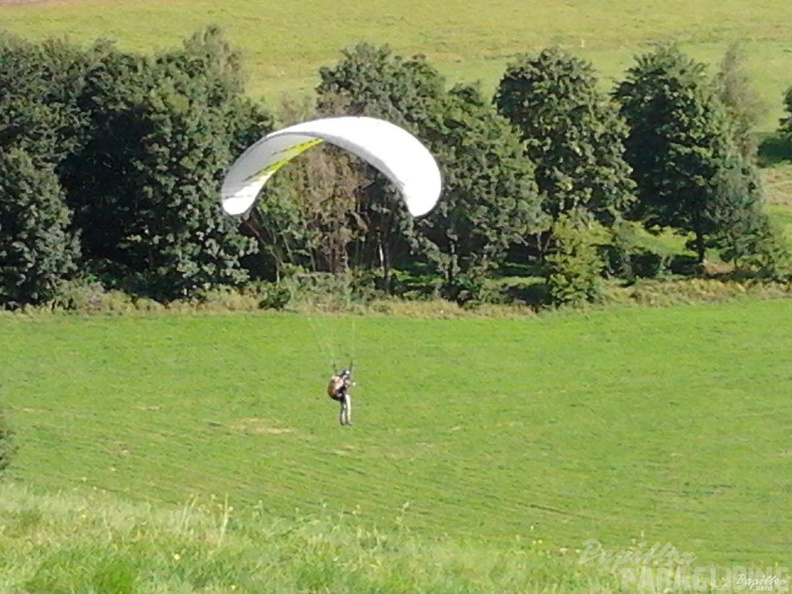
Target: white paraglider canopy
x=399 y=155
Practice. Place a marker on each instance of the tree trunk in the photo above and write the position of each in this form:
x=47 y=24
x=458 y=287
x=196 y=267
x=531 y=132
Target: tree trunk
x=701 y=248
x=451 y=271
x=384 y=255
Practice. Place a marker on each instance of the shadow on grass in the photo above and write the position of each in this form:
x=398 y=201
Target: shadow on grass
x=532 y=294
x=774 y=150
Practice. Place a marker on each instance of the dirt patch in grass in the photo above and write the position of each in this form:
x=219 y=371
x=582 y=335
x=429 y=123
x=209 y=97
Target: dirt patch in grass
x=257 y=425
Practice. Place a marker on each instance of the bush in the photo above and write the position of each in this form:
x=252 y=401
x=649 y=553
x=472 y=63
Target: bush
x=574 y=268
x=464 y=289
x=625 y=258
x=37 y=250
x=90 y=296
x=275 y=296
x=647 y=263
x=311 y=291
x=367 y=285
x=768 y=253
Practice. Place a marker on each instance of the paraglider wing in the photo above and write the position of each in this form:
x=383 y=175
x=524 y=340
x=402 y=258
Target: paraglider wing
x=399 y=155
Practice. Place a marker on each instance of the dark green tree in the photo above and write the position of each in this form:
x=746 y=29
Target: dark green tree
x=37 y=250
x=375 y=81
x=99 y=177
x=180 y=240
x=40 y=85
x=680 y=140
x=572 y=132
x=489 y=200
x=40 y=126
x=145 y=184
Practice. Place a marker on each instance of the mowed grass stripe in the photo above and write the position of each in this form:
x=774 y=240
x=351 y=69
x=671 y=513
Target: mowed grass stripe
x=671 y=423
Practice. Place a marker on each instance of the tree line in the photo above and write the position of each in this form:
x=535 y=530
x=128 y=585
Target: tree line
x=111 y=164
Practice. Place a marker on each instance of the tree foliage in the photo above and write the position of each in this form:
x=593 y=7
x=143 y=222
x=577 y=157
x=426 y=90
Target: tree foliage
x=40 y=83
x=680 y=141
x=745 y=234
x=489 y=200
x=786 y=123
x=743 y=104
x=375 y=81
x=37 y=250
x=180 y=240
x=574 y=267
x=144 y=186
x=572 y=132
x=126 y=153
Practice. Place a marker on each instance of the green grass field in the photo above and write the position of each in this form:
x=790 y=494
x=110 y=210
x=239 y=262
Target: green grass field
x=491 y=446
x=664 y=424
x=286 y=42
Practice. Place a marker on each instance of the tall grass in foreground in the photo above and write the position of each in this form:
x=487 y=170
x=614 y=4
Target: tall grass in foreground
x=77 y=542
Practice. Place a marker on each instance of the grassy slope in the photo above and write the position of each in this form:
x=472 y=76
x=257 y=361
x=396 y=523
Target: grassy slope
x=666 y=423
x=286 y=42
x=121 y=548
x=669 y=427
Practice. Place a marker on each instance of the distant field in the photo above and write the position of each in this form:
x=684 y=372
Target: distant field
x=286 y=42
x=662 y=424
